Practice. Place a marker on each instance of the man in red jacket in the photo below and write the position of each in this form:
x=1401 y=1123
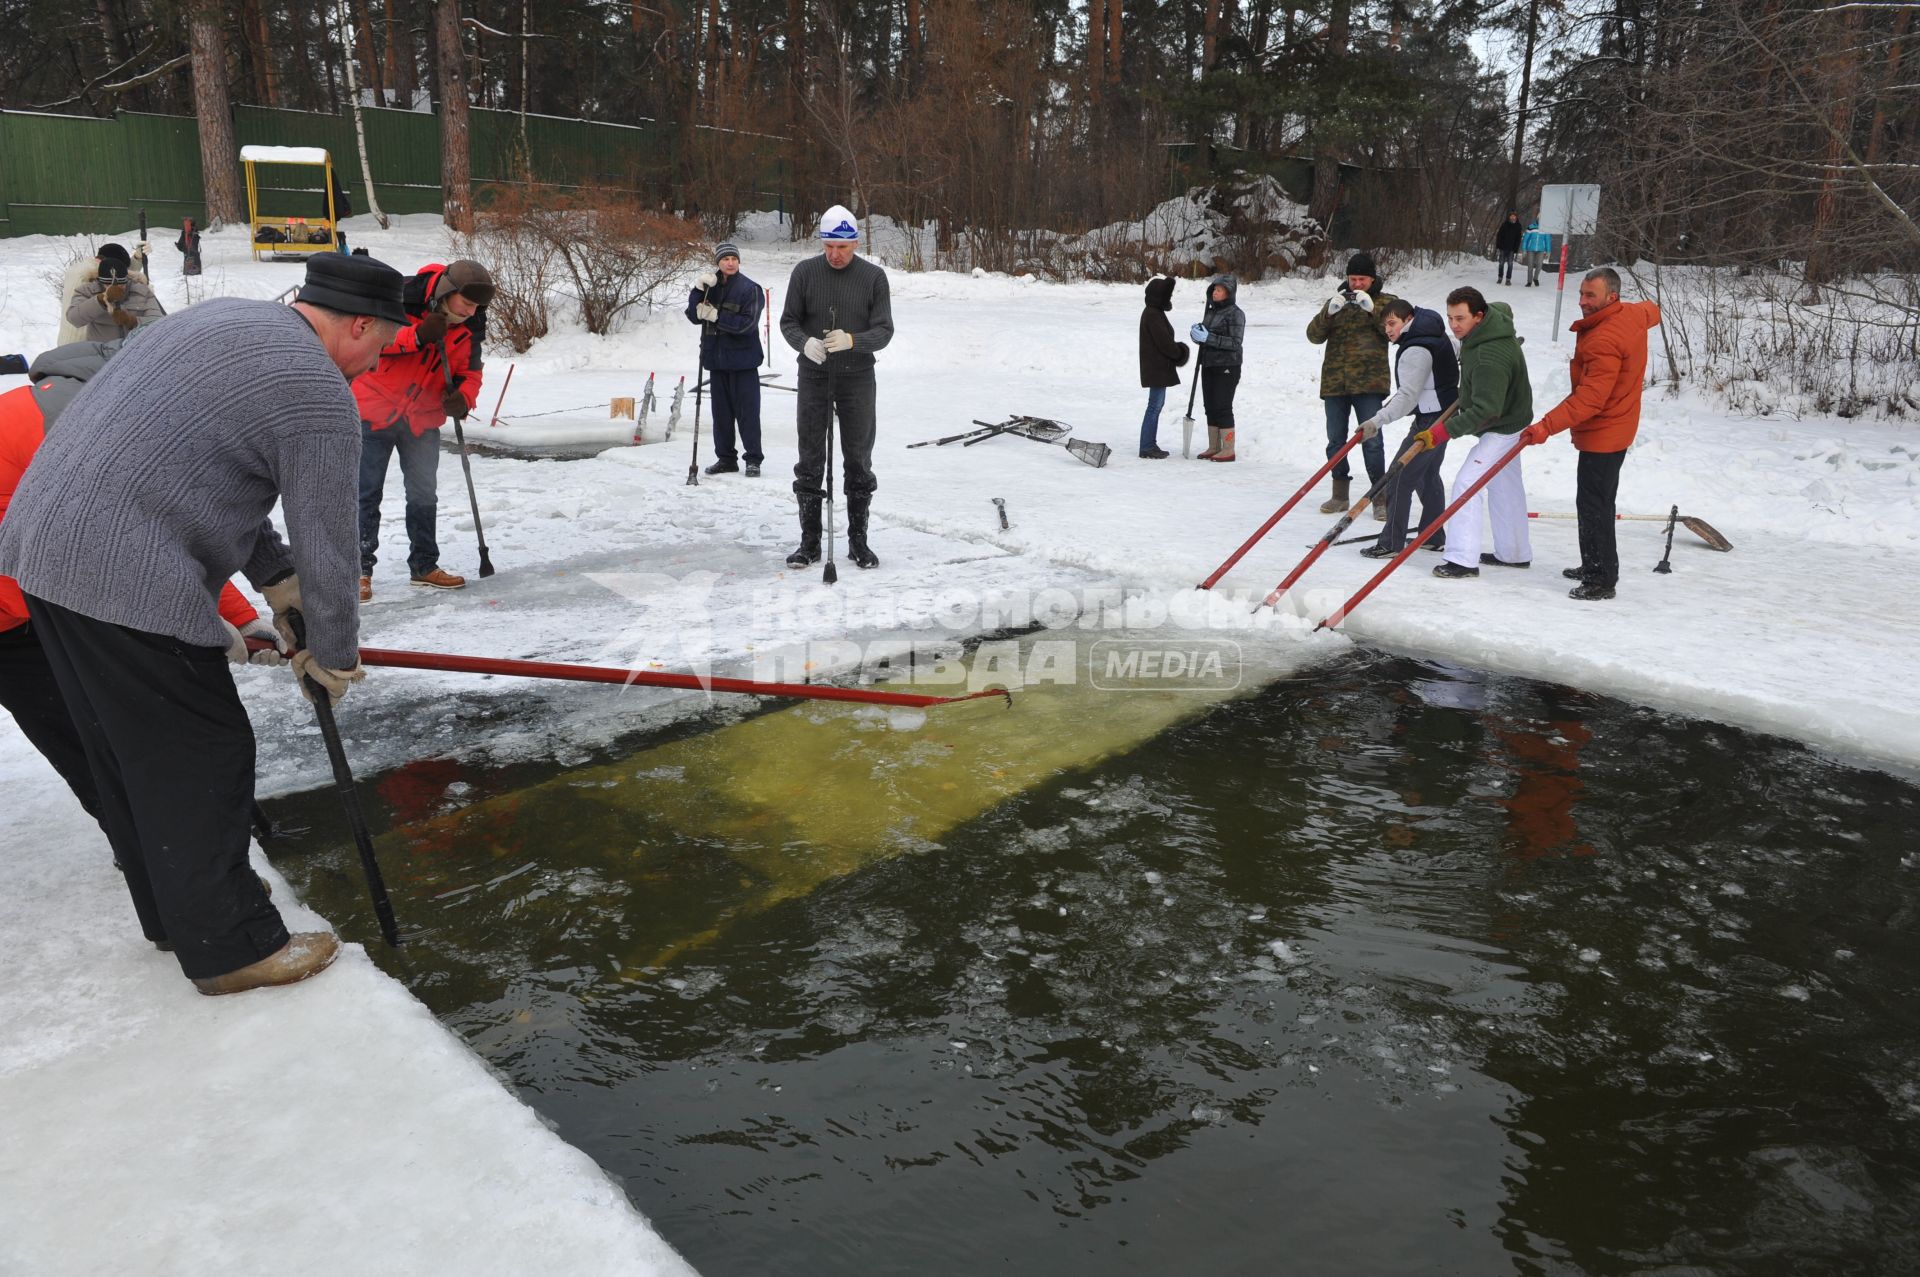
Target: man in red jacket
x=429 y=373
x=1603 y=412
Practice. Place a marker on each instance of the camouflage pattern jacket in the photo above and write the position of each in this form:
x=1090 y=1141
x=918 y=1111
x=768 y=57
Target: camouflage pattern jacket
x=1356 y=342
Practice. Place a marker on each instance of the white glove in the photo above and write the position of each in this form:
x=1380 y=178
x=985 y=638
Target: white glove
x=815 y=349
x=707 y=312
x=839 y=339
x=283 y=596
x=1364 y=301
x=333 y=682
x=708 y=279
x=237 y=650
x=1335 y=304
x=1369 y=428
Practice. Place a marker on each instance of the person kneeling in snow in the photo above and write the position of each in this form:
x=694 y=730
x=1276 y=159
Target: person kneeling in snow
x=1603 y=412
x=157 y=483
x=1220 y=334
x=727 y=305
x=1160 y=357
x=1428 y=370
x=430 y=373
x=1496 y=401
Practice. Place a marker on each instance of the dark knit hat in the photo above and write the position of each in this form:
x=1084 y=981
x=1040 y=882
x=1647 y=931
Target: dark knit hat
x=1362 y=264
x=354 y=286
x=114 y=261
x=728 y=249
x=470 y=279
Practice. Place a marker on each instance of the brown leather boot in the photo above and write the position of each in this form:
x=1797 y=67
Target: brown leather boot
x=440 y=579
x=366 y=589
x=1226 y=447
x=1213 y=444
x=306 y=954
x=1339 y=501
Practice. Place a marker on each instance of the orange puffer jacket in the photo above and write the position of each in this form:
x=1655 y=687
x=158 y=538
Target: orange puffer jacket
x=22 y=430
x=406 y=387
x=1609 y=367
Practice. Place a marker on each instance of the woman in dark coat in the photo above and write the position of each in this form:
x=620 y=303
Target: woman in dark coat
x=1160 y=355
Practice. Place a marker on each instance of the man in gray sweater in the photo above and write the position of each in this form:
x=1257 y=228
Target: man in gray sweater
x=155 y=490
x=838 y=309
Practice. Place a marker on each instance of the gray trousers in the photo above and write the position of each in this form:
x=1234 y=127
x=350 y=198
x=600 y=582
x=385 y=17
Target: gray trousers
x=854 y=397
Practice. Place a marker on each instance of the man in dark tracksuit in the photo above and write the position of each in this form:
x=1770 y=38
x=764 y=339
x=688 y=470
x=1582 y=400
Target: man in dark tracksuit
x=726 y=305
x=838 y=309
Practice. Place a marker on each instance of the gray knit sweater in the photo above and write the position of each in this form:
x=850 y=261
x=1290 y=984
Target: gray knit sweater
x=856 y=299
x=157 y=485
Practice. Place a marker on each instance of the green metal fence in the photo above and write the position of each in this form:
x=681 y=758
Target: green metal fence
x=66 y=175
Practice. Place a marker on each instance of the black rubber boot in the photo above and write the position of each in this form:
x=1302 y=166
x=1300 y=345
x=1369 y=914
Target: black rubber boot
x=809 y=551
x=857 y=549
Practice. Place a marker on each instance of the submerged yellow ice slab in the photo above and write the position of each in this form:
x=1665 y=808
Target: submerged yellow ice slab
x=793 y=799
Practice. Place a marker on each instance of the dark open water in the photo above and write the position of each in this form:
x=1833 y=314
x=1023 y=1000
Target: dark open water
x=1391 y=968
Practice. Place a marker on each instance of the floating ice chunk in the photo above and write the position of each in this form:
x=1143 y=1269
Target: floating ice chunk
x=1155 y=877
x=1589 y=955
x=1732 y=889
x=1795 y=992
x=907 y=720
x=1285 y=952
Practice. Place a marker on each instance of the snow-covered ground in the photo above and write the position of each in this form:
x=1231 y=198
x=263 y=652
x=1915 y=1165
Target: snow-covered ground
x=149 y=1127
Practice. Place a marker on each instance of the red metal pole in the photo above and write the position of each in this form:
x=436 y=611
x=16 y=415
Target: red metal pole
x=503 y=397
x=646 y=678
x=1279 y=514
x=1345 y=610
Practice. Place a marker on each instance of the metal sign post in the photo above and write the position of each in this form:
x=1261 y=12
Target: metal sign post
x=1576 y=208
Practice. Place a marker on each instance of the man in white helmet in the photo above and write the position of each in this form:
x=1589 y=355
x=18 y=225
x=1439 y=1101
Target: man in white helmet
x=838 y=313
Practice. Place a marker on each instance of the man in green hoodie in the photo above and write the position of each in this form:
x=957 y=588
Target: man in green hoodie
x=1496 y=404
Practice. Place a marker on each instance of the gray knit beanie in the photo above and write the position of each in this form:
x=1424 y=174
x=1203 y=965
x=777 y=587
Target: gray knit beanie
x=728 y=249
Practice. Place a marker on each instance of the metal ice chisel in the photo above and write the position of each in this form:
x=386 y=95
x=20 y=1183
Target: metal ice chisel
x=1002 y=503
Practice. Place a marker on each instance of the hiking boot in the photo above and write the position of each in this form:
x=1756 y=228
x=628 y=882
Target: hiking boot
x=723 y=466
x=1378 y=551
x=1213 y=444
x=1574 y=574
x=1379 y=510
x=1495 y=561
x=857 y=548
x=366 y=589
x=1225 y=452
x=753 y=470
x=809 y=551
x=439 y=579
x=1339 y=501
x=1154 y=454
x=306 y=954
x=1590 y=591
x=1454 y=572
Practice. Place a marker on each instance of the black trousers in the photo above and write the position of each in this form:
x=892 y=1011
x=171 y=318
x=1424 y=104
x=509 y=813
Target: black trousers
x=1216 y=392
x=28 y=692
x=1420 y=476
x=736 y=401
x=1595 y=491
x=171 y=753
x=853 y=396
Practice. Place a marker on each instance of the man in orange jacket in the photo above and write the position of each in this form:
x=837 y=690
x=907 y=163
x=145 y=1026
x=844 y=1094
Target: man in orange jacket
x=430 y=372
x=27 y=689
x=1603 y=412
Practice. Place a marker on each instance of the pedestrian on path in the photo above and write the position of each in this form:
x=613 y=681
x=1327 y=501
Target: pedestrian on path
x=1506 y=242
x=1535 y=245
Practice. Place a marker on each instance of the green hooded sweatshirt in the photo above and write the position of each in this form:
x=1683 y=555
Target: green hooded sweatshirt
x=1495 y=395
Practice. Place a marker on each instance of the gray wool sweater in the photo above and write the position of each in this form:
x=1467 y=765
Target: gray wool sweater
x=155 y=488
x=856 y=299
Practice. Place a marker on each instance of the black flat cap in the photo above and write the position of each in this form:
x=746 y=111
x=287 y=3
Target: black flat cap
x=354 y=286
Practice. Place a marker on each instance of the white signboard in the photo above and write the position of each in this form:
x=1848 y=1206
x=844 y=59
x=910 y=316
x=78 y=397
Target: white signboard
x=1572 y=209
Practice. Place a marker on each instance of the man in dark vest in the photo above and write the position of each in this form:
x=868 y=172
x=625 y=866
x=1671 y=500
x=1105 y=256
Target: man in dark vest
x=1428 y=375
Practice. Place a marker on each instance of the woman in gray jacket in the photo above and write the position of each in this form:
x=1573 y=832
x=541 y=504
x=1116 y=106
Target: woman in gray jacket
x=1219 y=337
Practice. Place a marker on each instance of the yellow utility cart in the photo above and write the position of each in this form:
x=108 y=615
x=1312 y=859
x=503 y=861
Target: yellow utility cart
x=290 y=237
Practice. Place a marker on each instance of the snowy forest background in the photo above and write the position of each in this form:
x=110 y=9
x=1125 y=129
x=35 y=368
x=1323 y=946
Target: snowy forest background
x=1777 y=137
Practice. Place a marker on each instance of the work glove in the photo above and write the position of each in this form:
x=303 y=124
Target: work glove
x=815 y=349
x=1535 y=433
x=1336 y=304
x=115 y=294
x=708 y=279
x=1433 y=436
x=431 y=328
x=283 y=596
x=125 y=318
x=1199 y=334
x=1370 y=428
x=707 y=312
x=237 y=649
x=333 y=682
x=454 y=404
x=839 y=339
x=1364 y=301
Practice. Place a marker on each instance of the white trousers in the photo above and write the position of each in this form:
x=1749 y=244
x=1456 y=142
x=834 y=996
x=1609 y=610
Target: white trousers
x=1504 y=501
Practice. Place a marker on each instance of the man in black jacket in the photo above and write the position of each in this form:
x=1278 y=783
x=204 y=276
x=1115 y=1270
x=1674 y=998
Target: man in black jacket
x=727 y=305
x=1507 y=243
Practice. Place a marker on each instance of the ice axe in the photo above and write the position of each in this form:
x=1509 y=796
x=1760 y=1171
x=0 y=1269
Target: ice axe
x=1186 y=422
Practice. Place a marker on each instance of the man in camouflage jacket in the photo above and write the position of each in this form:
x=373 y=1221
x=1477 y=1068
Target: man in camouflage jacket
x=1354 y=375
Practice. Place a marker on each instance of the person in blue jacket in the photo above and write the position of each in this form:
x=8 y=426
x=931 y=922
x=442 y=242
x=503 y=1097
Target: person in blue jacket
x=1534 y=246
x=726 y=305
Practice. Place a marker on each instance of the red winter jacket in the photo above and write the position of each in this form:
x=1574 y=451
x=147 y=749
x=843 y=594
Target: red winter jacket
x=409 y=381
x=22 y=430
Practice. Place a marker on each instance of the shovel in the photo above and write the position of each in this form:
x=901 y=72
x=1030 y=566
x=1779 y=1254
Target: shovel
x=1699 y=527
